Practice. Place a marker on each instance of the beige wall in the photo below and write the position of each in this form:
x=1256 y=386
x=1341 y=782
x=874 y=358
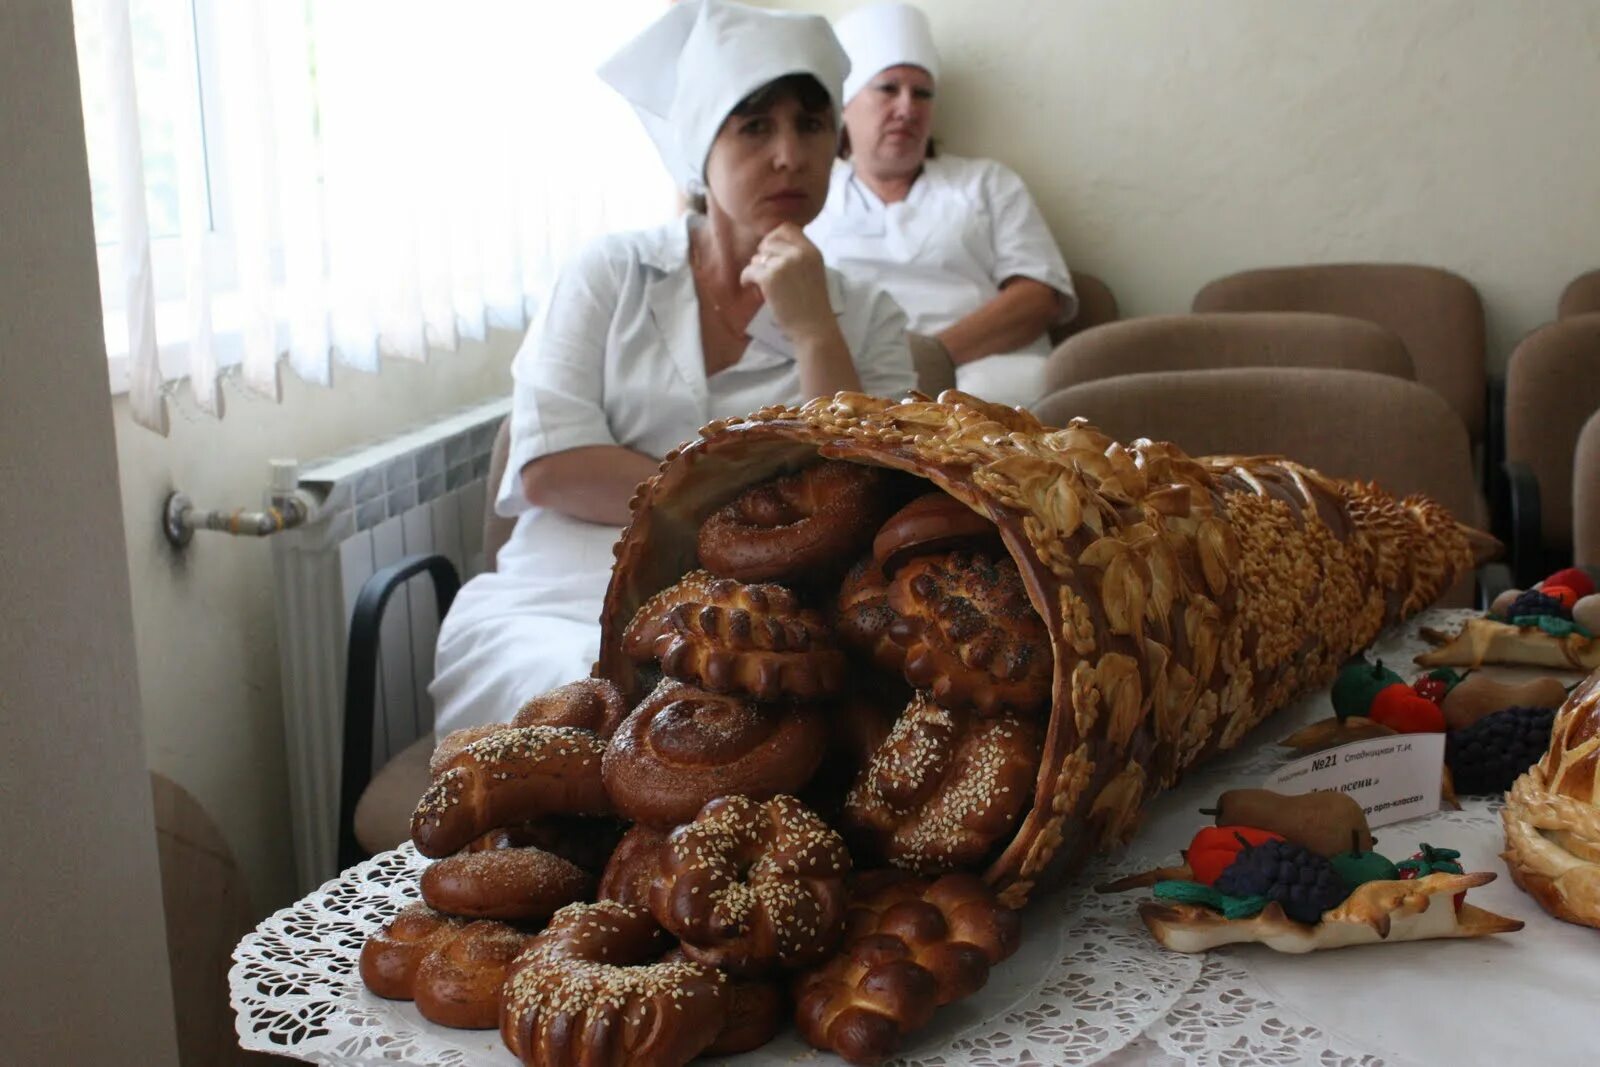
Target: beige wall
x=1169 y=142
x=203 y=618
x=83 y=971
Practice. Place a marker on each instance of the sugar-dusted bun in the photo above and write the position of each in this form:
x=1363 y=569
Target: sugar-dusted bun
x=390 y=957
x=589 y=704
x=750 y=886
x=507 y=883
x=683 y=746
x=458 y=984
x=944 y=788
x=911 y=945
x=796 y=525
x=510 y=777
x=590 y=991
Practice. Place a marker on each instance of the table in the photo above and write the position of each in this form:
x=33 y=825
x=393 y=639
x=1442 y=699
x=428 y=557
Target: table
x=1089 y=984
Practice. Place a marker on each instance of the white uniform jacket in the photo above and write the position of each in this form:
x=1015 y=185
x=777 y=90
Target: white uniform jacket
x=615 y=359
x=966 y=226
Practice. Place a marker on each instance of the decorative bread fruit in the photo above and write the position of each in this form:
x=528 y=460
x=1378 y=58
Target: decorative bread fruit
x=1555 y=643
x=1561 y=595
x=1534 y=603
x=1479 y=695
x=1429 y=860
x=1332 y=732
x=1214 y=848
x=1302 y=883
x=1358 y=682
x=1487 y=756
x=1436 y=684
x=1572 y=578
x=1321 y=821
x=1503 y=601
x=1398 y=706
x=1358 y=867
x=1586 y=613
x=1375 y=913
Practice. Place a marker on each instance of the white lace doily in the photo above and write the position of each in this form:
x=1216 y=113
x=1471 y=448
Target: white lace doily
x=1087 y=980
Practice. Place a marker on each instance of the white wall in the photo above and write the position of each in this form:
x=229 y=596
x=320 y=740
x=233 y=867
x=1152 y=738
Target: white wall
x=1170 y=142
x=83 y=970
x=203 y=618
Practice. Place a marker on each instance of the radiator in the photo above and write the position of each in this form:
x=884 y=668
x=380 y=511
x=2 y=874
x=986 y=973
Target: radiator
x=422 y=491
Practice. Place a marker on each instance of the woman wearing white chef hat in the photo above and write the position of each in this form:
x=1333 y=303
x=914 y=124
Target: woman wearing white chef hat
x=957 y=242
x=648 y=336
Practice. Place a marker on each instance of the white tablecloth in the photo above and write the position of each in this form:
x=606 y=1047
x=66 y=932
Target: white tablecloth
x=1089 y=985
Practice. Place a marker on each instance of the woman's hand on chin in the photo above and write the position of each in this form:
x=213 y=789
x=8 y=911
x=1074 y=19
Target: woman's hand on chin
x=788 y=270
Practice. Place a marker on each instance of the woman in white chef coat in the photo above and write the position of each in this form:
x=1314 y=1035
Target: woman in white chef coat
x=957 y=242
x=647 y=336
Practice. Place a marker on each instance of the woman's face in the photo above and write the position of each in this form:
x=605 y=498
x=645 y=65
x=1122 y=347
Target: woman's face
x=771 y=165
x=890 y=120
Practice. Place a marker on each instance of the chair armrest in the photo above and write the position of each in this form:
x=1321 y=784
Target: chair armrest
x=360 y=687
x=1525 y=526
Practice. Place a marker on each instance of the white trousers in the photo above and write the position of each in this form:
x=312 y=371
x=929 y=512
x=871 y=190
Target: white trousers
x=1015 y=380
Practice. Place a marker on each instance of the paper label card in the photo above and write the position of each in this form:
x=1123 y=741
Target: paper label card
x=1393 y=778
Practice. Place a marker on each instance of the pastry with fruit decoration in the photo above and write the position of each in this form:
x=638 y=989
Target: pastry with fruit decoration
x=1555 y=624
x=1295 y=892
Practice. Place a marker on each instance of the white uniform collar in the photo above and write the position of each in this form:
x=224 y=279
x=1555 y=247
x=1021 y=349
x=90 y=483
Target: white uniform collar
x=674 y=306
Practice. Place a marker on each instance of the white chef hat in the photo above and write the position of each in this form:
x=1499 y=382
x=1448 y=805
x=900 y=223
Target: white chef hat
x=880 y=36
x=688 y=70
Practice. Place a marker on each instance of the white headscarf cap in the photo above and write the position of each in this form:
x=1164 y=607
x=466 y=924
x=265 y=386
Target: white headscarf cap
x=687 y=71
x=880 y=36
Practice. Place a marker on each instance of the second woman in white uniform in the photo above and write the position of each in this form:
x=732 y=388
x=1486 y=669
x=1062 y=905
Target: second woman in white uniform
x=958 y=243
x=650 y=335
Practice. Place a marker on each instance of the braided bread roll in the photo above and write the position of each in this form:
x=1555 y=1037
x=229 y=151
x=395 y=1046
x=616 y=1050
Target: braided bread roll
x=1552 y=815
x=911 y=946
x=1185 y=600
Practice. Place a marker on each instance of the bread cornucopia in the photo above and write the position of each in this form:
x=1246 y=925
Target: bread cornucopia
x=871 y=671
x=1184 y=599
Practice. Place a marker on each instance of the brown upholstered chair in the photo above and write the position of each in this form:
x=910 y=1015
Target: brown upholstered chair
x=1581 y=296
x=207 y=907
x=1586 y=495
x=1158 y=343
x=1552 y=387
x=1097 y=305
x=1438 y=315
x=1345 y=423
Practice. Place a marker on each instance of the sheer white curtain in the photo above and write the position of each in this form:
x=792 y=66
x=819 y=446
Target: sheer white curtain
x=344 y=179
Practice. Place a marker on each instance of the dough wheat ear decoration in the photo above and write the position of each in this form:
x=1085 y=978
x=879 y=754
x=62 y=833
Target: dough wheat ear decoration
x=1184 y=599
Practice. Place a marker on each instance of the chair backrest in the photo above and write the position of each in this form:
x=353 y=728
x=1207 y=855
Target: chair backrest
x=207 y=907
x=1349 y=424
x=1581 y=296
x=1438 y=315
x=1552 y=387
x=1586 y=495
x=496 y=528
x=1159 y=343
x=1097 y=305
x=935 y=370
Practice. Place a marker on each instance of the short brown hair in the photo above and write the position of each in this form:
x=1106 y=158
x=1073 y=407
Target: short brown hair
x=810 y=93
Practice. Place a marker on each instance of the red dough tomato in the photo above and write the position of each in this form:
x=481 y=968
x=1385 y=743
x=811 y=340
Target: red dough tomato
x=1215 y=847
